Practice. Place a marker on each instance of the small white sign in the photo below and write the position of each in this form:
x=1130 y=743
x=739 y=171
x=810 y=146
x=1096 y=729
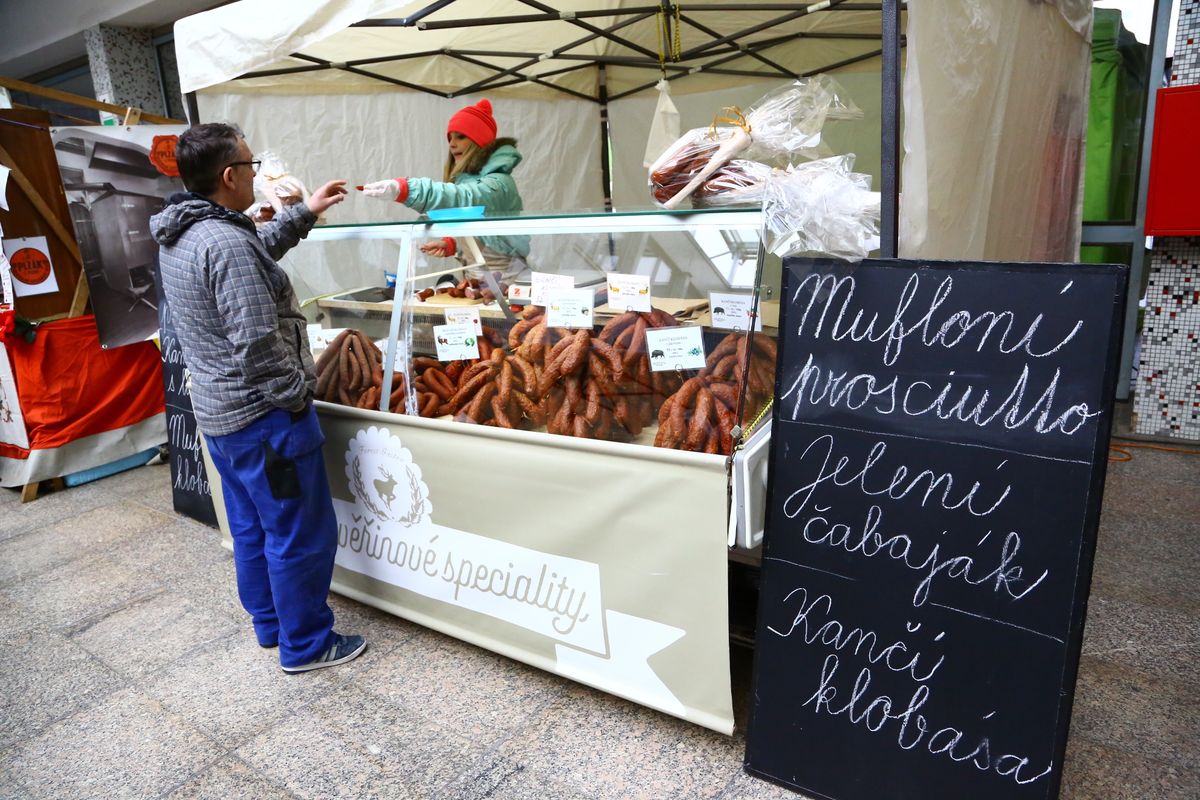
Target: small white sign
x=733 y=312
x=570 y=308
x=31 y=269
x=466 y=315
x=6 y=287
x=542 y=282
x=675 y=348
x=455 y=342
x=629 y=292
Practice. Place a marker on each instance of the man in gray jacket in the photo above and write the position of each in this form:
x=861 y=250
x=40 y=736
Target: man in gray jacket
x=246 y=344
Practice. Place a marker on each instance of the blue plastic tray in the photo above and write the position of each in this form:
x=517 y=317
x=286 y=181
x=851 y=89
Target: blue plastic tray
x=465 y=212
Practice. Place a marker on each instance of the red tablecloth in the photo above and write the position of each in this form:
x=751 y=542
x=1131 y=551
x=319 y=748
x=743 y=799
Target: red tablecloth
x=70 y=388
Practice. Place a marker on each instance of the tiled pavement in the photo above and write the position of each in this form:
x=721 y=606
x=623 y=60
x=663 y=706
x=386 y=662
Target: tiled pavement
x=127 y=669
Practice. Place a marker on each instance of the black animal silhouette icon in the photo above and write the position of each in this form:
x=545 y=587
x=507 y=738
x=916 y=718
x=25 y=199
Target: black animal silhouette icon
x=719 y=310
x=658 y=354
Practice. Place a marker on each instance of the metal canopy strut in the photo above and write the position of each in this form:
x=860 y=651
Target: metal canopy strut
x=710 y=56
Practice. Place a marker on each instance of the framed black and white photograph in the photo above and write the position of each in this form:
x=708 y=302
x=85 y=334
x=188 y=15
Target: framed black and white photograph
x=113 y=187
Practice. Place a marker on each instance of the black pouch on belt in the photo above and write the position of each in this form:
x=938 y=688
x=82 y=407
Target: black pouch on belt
x=281 y=474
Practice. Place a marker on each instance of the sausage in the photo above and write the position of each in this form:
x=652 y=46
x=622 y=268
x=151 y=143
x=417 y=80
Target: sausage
x=330 y=353
x=581 y=428
x=506 y=381
x=482 y=398
x=424 y=362
x=454 y=371
x=469 y=388
x=528 y=374
x=429 y=405
x=699 y=427
x=614 y=326
x=610 y=355
x=500 y=413
x=593 y=402
x=576 y=353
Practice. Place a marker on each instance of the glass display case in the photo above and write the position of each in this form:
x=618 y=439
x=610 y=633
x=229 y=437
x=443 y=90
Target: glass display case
x=621 y=327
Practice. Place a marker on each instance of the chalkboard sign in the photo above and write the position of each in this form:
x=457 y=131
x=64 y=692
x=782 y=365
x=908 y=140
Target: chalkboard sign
x=191 y=493
x=937 y=462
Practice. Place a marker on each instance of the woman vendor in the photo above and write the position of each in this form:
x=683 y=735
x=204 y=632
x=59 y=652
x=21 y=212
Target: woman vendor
x=478 y=173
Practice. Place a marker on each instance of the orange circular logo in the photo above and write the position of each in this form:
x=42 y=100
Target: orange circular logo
x=30 y=266
x=162 y=155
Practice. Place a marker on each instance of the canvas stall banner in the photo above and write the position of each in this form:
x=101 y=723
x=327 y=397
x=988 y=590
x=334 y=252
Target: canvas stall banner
x=606 y=565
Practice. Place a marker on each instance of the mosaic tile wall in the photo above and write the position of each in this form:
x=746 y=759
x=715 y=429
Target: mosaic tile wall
x=1168 y=393
x=1185 y=66
x=1167 y=400
x=124 y=68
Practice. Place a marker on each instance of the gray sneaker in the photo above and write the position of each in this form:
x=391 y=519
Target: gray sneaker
x=343 y=649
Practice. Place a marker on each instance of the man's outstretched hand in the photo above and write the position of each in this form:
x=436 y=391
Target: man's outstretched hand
x=330 y=194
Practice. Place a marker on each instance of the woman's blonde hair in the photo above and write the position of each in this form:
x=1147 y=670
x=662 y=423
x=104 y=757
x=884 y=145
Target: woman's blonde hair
x=474 y=157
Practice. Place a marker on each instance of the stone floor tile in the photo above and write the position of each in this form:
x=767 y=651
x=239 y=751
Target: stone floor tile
x=1095 y=772
x=349 y=745
x=1150 y=561
x=47 y=677
x=745 y=786
x=174 y=552
x=478 y=694
x=127 y=746
x=149 y=485
x=233 y=689
x=228 y=779
x=1130 y=710
x=501 y=778
x=610 y=748
x=17 y=518
x=1138 y=494
x=81 y=589
x=1155 y=465
x=1149 y=638
x=16 y=619
x=44 y=547
x=150 y=633
x=213 y=586
x=383 y=631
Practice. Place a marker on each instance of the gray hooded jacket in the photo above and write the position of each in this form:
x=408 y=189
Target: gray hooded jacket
x=239 y=325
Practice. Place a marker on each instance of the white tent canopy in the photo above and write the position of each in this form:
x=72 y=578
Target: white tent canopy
x=522 y=46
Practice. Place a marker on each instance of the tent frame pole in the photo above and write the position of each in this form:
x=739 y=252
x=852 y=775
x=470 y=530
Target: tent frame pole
x=605 y=163
x=889 y=132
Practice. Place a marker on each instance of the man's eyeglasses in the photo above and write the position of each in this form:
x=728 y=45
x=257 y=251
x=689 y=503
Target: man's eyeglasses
x=253 y=165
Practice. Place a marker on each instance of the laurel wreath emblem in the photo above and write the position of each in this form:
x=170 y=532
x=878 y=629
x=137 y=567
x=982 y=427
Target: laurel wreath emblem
x=418 y=494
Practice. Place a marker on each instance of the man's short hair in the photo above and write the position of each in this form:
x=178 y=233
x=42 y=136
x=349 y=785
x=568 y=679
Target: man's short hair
x=203 y=151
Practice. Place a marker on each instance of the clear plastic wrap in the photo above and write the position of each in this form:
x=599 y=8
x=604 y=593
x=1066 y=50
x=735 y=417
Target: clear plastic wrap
x=783 y=124
x=821 y=208
x=740 y=182
x=684 y=159
x=274 y=184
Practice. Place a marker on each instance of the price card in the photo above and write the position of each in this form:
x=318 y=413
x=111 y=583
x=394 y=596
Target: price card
x=542 y=282
x=570 y=308
x=468 y=315
x=455 y=342
x=629 y=292
x=675 y=348
x=732 y=312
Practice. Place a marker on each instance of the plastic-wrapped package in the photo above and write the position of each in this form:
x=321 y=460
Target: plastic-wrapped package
x=740 y=182
x=274 y=183
x=684 y=159
x=821 y=208
x=785 y=123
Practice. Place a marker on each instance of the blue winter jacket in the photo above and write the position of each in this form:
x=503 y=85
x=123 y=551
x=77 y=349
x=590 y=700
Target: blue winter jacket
x=492 y=187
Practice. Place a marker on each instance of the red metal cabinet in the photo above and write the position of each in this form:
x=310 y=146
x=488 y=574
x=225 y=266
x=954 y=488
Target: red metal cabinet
x=1173 y=202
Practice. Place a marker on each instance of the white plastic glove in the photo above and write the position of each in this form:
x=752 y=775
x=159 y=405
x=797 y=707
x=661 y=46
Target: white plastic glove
x=387 y=190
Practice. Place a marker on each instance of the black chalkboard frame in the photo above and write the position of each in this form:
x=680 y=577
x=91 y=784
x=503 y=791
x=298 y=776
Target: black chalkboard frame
x=1086 y=555
x=191 y=491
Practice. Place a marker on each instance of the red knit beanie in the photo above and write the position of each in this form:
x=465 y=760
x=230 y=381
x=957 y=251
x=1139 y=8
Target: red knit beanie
x=475 y=122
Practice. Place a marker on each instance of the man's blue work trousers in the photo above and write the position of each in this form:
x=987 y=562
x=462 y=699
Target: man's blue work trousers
x=284 y=530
